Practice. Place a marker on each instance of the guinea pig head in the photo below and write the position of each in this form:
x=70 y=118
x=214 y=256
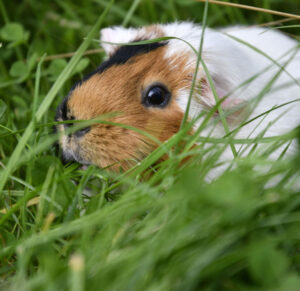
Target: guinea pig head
x=144 y=86
x=139 y=86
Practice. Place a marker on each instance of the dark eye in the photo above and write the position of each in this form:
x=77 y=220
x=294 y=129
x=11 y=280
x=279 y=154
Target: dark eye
x=156 y=96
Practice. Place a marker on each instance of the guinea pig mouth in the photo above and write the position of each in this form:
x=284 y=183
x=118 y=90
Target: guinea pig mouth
x=69 y=142
x=69 y=154
x=70 y=145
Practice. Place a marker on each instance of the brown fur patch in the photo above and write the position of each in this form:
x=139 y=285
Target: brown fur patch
x=119 y=89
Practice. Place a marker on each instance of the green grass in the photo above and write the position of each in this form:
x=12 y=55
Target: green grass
x=64 y=228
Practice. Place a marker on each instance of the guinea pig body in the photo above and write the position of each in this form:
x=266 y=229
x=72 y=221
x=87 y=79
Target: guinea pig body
x=148 y=86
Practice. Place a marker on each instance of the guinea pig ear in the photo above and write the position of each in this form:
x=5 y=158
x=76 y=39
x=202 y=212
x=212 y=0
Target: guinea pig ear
x=116 y=34
x=233 y=107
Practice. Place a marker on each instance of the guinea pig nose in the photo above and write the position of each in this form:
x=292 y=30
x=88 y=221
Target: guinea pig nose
x=82 y=132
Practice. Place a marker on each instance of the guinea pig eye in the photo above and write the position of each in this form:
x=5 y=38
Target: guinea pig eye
x=156 y=95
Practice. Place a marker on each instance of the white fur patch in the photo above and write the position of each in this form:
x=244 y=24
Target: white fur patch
x=116 y=34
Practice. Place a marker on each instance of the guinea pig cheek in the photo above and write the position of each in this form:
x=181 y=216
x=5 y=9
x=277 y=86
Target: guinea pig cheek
x=162 y=123
x=112 y=146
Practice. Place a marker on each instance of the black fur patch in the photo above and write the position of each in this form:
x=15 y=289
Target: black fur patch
x=122 y=55
x=62 y=110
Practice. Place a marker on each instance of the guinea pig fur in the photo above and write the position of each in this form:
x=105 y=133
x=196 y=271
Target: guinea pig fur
x=149 y=85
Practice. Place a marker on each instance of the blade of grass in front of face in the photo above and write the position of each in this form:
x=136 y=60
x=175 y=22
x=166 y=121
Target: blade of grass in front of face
x=79 y=124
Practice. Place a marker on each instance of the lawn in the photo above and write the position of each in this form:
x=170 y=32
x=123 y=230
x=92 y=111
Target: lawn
x=159 y=226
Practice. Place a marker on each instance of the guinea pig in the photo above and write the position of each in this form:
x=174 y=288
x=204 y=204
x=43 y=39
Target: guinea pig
x=148 y=86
